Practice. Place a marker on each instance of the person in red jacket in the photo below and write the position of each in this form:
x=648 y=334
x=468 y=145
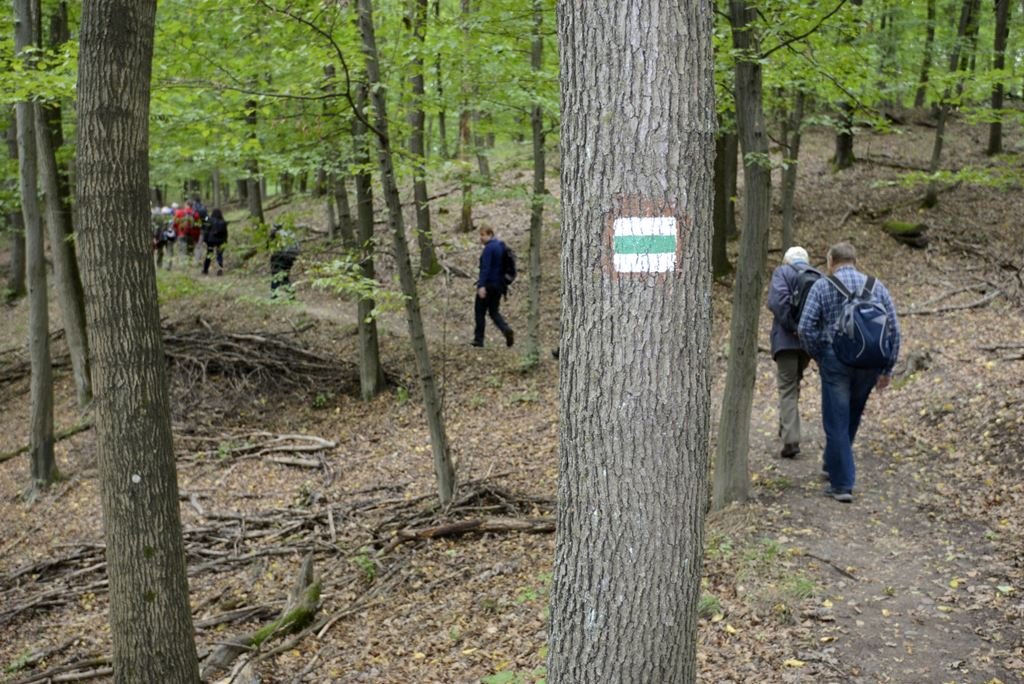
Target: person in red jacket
x=186 y=228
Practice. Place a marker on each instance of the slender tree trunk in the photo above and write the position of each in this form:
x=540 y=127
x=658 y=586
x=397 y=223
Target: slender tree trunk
x=329 y=201
x=720 y=265
x=791 y=142
x=732 y=148
x=731 y=479
x=65 y=262
x=417 y=148
x=346 y=226
x=931 y=197
x=465 y=139
x=442 y=127
x=539 y=191
x=15 y=224
x=371 y=373
x=636 y=322
x=150 y=617
x=43 y=465
x=216 y=192
x=253 y=187
x=443 y=468
x=1002 y=32
x=483 y=164
x=926 y=62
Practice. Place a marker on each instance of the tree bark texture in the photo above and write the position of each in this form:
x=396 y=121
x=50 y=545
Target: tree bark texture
x=371 y=373
x=720 y=265
x=443 y=468
x=731 y=479
x=429 y=264
x=65 y=261
x=638 y=128
x=150 y=617
x=253 y=188
x=346 y=226
x=844 y=157
x=15 y=224
x=539 y=191
x=43 y=464
x=732 y=148
x=791 y=145
x=926 y=61
x=1002 y=32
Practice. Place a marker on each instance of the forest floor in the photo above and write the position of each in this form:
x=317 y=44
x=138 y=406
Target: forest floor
x=920 y=580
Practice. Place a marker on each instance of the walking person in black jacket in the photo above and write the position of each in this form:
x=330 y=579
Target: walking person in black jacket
x=215 y=238
x=490 y=287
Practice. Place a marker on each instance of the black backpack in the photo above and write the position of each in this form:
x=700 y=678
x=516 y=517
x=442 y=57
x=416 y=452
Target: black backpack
x=805 y=279
x=863 y=334
x=508 y=265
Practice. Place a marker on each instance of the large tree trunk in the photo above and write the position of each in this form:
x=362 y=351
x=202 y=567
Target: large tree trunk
x=1002 y=32
x=371 y=373
x=417 y=148
x=539 y=191
x=926 y=61
x=791 y=136
x=65 y=262
x=720 y=265
x=150 y=617
x=15 y=224
x=844 y=157
x=43 y=465
x=636 y=325
x=443 y=468
x=967 y=9
x=731 y=479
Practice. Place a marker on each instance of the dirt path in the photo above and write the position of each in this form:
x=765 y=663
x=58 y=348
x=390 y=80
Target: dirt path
x=903 y=596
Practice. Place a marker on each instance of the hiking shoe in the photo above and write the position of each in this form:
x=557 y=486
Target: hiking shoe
x=476 y=343
x=824 y=475
x=510 y=337
x=791 y=450
x=839 y=495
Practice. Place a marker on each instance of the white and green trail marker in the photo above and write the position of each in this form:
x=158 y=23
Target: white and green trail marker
x=644 y=244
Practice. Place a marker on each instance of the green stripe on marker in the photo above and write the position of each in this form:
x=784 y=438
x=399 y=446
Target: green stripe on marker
x=645 y=244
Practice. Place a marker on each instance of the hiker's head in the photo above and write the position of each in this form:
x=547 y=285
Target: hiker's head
x=216 y=213
x=841 y=254
x=795 y=254
x=486 y=234
x=188 y=203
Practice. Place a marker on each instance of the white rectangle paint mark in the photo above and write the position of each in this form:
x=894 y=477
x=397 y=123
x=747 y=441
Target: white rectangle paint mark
x=644 y=244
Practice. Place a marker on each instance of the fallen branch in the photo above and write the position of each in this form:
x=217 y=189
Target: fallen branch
x=90 y=666
x=57 y=437
x=977 y=304
x=842 y=571
x=463 y=527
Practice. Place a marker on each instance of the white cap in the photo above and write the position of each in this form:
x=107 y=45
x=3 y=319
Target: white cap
x=174 y=205
x=794 y=254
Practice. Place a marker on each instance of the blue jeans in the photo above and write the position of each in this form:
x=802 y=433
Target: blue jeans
x=844 y=393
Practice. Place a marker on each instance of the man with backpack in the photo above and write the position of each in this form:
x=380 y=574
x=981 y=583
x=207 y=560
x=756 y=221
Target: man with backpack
x=791 y=282
x=849 y=326
x=497 y=271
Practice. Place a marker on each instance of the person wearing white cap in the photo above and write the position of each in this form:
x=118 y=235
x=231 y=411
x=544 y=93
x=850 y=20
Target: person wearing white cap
x=790 y=283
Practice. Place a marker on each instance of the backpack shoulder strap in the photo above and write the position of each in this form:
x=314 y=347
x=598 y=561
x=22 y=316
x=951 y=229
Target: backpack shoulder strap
x=869 y=288
x=838 y=284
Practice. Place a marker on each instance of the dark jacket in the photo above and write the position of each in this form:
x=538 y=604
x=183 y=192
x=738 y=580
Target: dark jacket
x=782 y=285
x=491 y=272
x=217 y=232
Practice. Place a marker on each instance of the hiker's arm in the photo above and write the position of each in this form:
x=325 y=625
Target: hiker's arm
x=778 y=294
x=809 y=331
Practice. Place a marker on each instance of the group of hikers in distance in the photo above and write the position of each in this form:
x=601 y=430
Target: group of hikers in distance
x=846 y=321
x=190 y=228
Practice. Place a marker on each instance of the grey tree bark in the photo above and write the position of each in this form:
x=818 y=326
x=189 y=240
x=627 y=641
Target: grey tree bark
x=150 y=617
x=16 y=286
x=371 y=373
x=443 y=468
x=43 y=464
x=638 y=125
x=844 y=157
x=926 y=61
x=65 y=261
x=791 y=135
x=731 y=148
x=539 y=191
x=1002 y=32
x=253 y=187
x=346 y=226
x=731 y=479
x=429 y=264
